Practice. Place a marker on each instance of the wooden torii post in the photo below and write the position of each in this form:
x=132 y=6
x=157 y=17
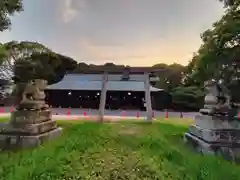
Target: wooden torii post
x=131 y=70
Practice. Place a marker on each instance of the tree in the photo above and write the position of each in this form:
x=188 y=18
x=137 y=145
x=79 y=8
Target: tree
x=230 y=3
x=189 y=78
x=22 y=61
x=187 y=98
x=57 y=66
x=16 y=51
x=2 y=53
x=33 y=60
x=7 y=9
x=170 y=77
x=85 y=68
x=219 y=56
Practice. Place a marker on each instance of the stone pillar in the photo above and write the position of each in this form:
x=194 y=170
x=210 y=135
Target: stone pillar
x=103 y=96
x=148 y=96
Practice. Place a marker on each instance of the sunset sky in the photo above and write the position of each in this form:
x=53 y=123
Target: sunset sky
x=133 y=32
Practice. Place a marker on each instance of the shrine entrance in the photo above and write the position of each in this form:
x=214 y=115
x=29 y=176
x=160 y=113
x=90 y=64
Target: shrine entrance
x=128 y=89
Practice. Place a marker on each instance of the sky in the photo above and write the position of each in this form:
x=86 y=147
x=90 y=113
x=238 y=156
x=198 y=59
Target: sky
x=129 y=32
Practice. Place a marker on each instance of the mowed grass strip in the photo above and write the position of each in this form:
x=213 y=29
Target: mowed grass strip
x=124 y=150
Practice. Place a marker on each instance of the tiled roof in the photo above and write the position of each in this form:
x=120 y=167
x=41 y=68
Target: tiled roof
x=93 y=82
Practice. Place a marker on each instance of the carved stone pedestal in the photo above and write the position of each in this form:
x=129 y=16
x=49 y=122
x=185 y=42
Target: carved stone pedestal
x=216 y=131
x=215 y=135
x=27 y=129
x=30 y=124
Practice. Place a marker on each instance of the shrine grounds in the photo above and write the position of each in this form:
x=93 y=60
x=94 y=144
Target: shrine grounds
x=116 y=150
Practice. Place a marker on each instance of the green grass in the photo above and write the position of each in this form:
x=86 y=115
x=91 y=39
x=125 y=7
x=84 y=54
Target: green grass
x=2 y=119
x=120 y=151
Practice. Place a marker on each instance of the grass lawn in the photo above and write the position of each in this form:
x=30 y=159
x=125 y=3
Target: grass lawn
x=120 y=151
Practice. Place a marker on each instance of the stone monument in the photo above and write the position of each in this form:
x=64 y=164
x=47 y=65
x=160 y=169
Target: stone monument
x=216 y=130
x=30 y=124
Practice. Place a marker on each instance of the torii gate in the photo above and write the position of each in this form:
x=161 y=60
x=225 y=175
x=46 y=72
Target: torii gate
x=146 y=71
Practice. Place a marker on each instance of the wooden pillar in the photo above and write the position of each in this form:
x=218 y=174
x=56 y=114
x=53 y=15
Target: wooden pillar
x=148 y=96
x=103 y=96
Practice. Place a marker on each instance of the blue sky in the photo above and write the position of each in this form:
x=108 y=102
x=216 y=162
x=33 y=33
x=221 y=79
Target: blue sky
x=133 y=32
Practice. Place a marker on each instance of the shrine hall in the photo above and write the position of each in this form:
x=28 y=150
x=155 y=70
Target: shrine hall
x=129 y=89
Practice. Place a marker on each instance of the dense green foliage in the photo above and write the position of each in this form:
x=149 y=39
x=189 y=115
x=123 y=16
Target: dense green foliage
x=7 y=9
x=187 y=98
x=2 y=53
x=36 y=60
x=230 y=3
x=170 y=77
x=219 y=55
x=24 y=61
x=133 y=151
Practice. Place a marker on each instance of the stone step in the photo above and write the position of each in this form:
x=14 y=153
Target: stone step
x=216 y=135
x=229 y=151
x=9 y=141
x=30 y=129
x=212 y=144
x=215 y=122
